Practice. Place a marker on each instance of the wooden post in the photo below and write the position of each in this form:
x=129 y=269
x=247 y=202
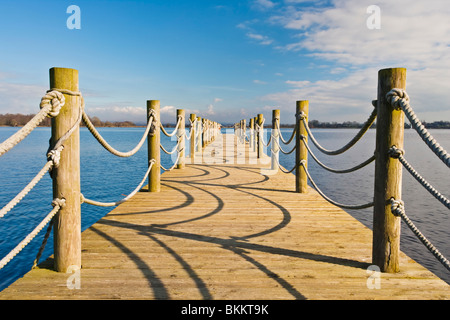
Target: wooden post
x=244 y=130
x=154 y=152
x=252 y=127
x=255 y=136
x=260 y=137
x=193 y=132
x=180 y=134
x=199 y=135
x=66 y=178
x=301 y=153
x=388 y=173
x=275 y=150
x=204 y=133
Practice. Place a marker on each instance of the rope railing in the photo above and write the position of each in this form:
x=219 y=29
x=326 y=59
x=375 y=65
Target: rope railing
x=398 y=154
x=350 y=144
x=398 y=209
x=398 y=98
x=175 y=130
x=108 y=147
x=339 y=171
x=344 y=206
x=113 y=204
x=387 y=175
x=57 y=205
x=50 y=106
x=281 y=135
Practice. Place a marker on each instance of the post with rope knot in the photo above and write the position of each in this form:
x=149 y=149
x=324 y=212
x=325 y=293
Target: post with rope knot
x=66 y=177
x=301 y=152
x=388 y=172
x=275 y=149
x=193 y=120
x=180 y=135
x=153 y=143
x=259 y=134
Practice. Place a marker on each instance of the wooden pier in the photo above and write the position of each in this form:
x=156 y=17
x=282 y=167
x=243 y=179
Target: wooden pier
x=227 y=222
x=228 y=231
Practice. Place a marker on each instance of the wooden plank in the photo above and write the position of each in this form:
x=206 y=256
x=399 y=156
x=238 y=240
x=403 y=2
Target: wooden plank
x=224 y=231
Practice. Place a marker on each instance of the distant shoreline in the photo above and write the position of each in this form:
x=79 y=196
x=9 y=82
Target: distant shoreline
x=19 y=120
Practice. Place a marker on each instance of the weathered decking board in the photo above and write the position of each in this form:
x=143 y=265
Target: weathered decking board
x=225 y=231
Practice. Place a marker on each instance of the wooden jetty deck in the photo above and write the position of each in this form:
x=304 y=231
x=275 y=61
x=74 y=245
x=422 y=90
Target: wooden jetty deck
x=226 y=231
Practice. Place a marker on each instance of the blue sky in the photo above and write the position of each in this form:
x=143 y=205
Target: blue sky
x=226 y=60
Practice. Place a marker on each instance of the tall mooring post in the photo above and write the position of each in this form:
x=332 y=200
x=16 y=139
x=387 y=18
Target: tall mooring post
x=260 y=131
x=181 y=136
x=388 y=173
x=153 y=142
x=66 y=178
x=193 y=118
x=301 y=152
x=275 y=155
x=199 y=134
x=252 y=133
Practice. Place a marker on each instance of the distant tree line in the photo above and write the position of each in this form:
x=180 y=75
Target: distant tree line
x=357 y=125
x=18 y=120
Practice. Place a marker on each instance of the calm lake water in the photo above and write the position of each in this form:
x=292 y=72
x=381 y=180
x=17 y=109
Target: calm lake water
x=107 y=178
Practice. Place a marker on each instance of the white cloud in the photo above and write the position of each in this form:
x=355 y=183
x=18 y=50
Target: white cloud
x=413 y=34
x=264 y=4
x=210 y=111
x=259 y=82
x=331 y=100
x=264 y=40
x=20 y=98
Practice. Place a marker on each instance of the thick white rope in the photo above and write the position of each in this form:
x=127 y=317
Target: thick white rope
x=281 y=149
x=281 y=135
x=113 y=204
x=57 y=205
x=280 y=167
x=190 y=133
x=105 y=144
x=173 y=150
x=350 y=144
x=175 y=130
x=398 y=154
x=399 y=99
x=50 y=106
x=27 y=189
x=353 y=207
x=176 y=162
x=398 y=209
x=355 y=168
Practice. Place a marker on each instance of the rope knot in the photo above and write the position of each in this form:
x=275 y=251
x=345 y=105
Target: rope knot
x=59 y=202
x=397 y=207
x=397 y=96
x=56 y=100
x=300 y=116
x=152 y=114
x=395 y=152
x=55 y=156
